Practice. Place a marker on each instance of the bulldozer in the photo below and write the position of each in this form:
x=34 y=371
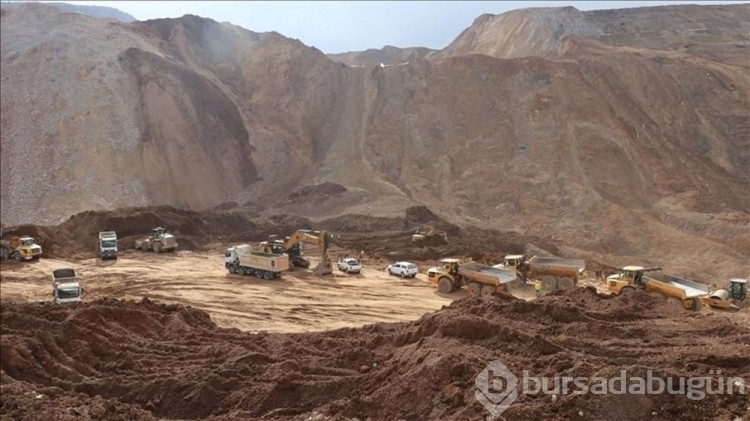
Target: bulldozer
x=293 y=246
x=159 y=240
x=732 y=298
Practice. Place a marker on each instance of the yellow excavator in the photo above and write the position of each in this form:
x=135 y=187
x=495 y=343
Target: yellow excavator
x=426 y=231
x=293 y=246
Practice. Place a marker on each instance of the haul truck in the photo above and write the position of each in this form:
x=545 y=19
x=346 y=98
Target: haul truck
x=65 y=286
x=479 y=280
x=20 y=248
x=107 y=245
x=633 y=278
x=555 y=273
x=244 y=260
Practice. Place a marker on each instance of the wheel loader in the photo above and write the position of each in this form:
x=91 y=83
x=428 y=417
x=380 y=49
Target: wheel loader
x=159 y=240
x=732 y=298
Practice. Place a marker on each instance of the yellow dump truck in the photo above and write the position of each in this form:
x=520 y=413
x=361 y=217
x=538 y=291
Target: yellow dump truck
x=555 y=273
x=633 y=278
x=20 y=248
x=479 y=280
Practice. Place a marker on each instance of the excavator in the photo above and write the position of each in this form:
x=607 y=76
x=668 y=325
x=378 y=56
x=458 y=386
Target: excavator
x=426 y=231
x=293 y=246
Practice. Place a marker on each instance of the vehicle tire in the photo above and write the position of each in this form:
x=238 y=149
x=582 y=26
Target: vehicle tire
x=475 y=289
x=242 y=271
x=403 y=275
x=17 y=256
x=487 y=291
x=691 y=304
x=389 y=272
x=549 y=283
x=232 y=269
x=267 y=276
x=157 y=247
x=445 y=285
x=627 y=291
x=567 y=283
x=259 y=274
x=3 y=253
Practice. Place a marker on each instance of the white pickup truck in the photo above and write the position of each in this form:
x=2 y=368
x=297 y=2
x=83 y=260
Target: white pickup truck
x=350 y=265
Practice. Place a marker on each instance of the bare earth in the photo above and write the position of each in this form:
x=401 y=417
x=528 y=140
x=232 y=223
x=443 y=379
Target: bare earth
x=299 y=302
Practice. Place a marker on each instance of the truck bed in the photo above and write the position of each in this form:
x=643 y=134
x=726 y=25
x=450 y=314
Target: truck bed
x=553 y=262
x=486 y=274
x=692 y=289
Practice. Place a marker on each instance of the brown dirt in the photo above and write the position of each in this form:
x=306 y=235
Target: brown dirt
x=174 y=362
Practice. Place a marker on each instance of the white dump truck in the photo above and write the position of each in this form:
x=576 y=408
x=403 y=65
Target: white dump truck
x=107 y=245
x=65 y=286
x=244 y=260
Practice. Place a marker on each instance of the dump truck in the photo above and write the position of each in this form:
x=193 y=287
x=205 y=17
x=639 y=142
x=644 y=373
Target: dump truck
x=479 y=280
x=65 y=286
x=732 y=298
x=633 y=278
x=244 y=260
x=555 y=273
x=20 y=248
x=159 y=240
x=107 y=245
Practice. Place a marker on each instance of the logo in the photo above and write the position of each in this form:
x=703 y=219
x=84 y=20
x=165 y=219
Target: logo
x=497 y=388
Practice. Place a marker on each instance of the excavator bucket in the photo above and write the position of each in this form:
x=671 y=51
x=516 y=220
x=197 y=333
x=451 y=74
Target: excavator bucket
x=323 y=268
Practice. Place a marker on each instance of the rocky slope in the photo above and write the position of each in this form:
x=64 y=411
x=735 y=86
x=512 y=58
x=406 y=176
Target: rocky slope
x=624 y=137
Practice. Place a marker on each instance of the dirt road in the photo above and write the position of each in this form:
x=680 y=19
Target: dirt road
x=299 y=302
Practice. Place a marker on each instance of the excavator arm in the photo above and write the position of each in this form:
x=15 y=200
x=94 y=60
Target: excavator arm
x=319 y=238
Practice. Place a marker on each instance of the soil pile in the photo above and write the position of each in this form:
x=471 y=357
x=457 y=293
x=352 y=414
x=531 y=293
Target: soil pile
x=173 y=362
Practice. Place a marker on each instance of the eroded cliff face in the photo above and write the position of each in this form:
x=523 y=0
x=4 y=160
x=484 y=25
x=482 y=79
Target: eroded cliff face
x=612 y=135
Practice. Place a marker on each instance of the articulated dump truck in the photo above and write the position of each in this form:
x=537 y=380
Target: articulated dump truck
x=632 y=278
x=479 y=280
x=555 y=273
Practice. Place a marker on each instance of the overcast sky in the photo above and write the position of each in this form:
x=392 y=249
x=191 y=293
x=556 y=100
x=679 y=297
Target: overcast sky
x=340 y=26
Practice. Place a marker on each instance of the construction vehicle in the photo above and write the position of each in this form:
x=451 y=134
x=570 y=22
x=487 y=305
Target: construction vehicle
x=20 y=248
x=633 y=278
x=732 y=298
x=426 y=231
x=65 y=286
x=349 y=265
x=555 y=274
x=159 y=240
x=293 y=246
x=244 y=260
x=107 y=245
x=479 y=280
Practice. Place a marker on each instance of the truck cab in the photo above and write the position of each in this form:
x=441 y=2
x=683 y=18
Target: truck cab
x=445 y=266
x=630 y=276
x=514 y=261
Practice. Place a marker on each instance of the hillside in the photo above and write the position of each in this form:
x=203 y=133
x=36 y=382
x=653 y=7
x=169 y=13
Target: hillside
x=386 y=55
x=614 y=145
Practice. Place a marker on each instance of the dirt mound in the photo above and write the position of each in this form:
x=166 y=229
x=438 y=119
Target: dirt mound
x=173 y=362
